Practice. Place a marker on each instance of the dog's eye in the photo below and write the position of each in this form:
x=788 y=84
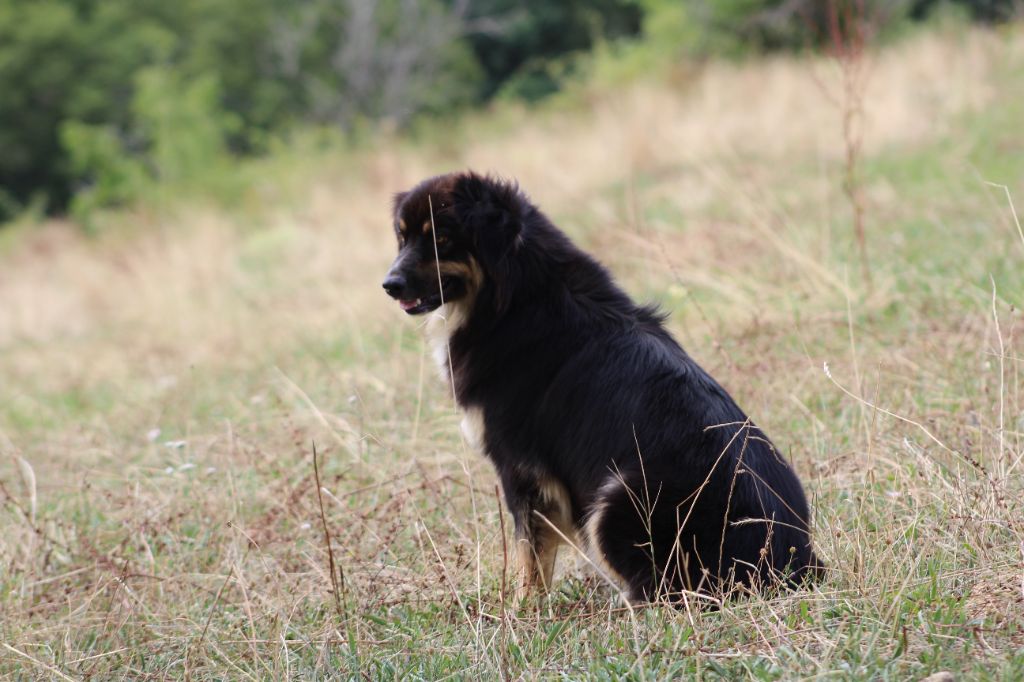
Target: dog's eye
x=441 y=240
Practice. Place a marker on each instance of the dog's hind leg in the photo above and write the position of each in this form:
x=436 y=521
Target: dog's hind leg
x=594 y=541
x=635 y=534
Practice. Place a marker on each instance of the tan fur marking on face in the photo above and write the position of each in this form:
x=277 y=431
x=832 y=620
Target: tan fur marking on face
x=470 y=272
x=402 y=227
x=426 y=226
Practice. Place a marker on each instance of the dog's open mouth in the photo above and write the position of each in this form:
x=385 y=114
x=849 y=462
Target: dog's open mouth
x=421 y=305
x=426 y=304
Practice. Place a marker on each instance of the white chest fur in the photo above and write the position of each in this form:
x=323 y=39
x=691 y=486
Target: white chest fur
x=473 y=428
x=441 y=326
x=438 y=336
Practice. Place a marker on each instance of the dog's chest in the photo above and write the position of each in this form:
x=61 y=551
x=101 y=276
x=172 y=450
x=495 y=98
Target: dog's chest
x=441 y=326
x=472 y=426
x=438 y=337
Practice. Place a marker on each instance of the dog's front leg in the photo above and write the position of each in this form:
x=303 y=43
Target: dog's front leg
x=541 y=512
x=536 y=551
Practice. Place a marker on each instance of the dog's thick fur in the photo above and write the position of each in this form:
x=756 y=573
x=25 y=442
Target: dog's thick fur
x=603 y=431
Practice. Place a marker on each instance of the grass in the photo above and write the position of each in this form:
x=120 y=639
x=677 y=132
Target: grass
x=162 y=385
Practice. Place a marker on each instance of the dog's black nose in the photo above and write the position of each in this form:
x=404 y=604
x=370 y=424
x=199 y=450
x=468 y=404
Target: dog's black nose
x=393 y=284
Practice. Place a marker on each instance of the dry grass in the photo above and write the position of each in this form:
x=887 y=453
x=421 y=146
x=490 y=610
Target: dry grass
x=161 y=389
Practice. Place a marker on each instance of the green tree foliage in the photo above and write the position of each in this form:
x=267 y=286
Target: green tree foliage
x=63 y=61
x=516 y=41
x=91 y=87
x=180 y=123
x=101 y=98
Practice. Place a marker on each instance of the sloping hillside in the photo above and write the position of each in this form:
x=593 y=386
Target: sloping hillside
x=162 y=385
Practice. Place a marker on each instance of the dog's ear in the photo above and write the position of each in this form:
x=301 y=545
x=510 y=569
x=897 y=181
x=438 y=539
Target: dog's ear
x=490 y=211
x=396 y=203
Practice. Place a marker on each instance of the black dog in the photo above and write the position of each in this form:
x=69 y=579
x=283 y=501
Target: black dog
x=603 y=431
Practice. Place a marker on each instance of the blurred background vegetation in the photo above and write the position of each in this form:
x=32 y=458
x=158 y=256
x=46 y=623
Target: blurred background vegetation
x=104 y=100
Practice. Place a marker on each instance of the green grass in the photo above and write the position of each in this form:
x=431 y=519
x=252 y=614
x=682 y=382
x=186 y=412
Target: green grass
x=162 y=386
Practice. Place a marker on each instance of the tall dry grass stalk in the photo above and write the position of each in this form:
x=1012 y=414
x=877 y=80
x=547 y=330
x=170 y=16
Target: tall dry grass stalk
x=849 y=28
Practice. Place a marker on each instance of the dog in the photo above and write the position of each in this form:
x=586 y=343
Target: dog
x=603 y=431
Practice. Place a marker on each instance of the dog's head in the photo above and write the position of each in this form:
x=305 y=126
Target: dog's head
x=456 y=236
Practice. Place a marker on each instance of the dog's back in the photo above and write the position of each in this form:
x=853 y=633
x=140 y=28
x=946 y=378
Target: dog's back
x=652 y=451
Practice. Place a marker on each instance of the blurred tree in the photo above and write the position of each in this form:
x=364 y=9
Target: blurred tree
x=180 y=123
x=61 y=61
x=516 y=40
x=75 y=75
x=742 y=26
x=386 y=60
x=75 y=65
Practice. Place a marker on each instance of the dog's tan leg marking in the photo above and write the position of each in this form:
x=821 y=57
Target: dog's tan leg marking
x=526 y=567
x=537 y=541
x=535 y=561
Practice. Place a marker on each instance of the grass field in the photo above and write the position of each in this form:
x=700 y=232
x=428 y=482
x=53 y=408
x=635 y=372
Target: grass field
x=162 y=385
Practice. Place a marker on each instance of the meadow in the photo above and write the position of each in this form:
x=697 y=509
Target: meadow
x=165 y=379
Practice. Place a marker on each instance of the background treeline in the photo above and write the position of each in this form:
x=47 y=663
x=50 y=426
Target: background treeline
x=102 y=98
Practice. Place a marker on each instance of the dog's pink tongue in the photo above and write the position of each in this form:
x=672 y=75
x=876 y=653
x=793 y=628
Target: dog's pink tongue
x=407 y=305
